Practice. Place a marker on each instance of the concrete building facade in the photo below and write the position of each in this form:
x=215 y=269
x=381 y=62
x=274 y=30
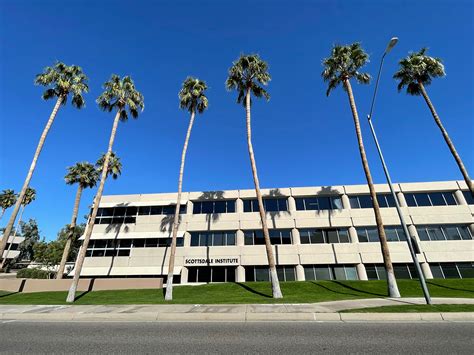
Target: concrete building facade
x=326 y=232
x=12 y=249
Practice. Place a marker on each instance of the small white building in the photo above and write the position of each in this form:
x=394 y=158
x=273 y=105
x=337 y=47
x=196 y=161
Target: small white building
x=326 y=232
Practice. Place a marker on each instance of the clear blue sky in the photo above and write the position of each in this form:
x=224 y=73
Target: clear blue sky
x=301 y=137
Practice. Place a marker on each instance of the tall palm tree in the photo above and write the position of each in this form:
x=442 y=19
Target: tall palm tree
x=114 y=167
x=340 y=67
x=30 y=196
x=417 y=71
x=61 y=80
x=120 y=95
x=192 y=98
x=246 y=76
x=7 y=199
x=85 y=175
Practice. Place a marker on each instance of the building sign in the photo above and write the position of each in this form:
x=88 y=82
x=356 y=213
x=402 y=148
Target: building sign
x=211 y=261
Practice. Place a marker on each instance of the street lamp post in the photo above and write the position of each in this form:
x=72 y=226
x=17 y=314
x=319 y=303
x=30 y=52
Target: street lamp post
x=421 y=277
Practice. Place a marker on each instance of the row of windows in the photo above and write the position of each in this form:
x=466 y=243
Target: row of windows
x=430 y=199
x=452 y=270
x=277 y=236
x=12 y=247
x=211 y=274
x=444 y=232
x=133 y=211
x=269 y=204
x=210 y=239
x=320 y=236
x=318 y=203
x=121 y=247
x=208 y=207
x=371 y=234
x=365 y=201
x=262 y=273
x=402 y=271
x=330 y=272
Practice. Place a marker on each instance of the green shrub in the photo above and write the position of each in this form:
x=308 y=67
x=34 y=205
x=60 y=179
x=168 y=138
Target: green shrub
x=34 y=274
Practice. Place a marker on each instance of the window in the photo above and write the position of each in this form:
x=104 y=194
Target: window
x=468 y=197
x=159 y=210
x=423 y=199
x=365 y=201
x=212 y=239
x=262 y=273
x=204 y=207
x=121 y=247
x=277 y=236
x=330 y=272
x=318 y=203
x=269 y=204
x=452 y=270
x=402 y=271
x=444 y=232
x=211 y=274
x=370 y=234
x=320 y=236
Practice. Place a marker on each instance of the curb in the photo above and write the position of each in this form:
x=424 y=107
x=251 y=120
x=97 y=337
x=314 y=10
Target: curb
x=244 y=317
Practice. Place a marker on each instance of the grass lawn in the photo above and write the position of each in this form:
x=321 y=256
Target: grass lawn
x=415 y=308
x=251 y=292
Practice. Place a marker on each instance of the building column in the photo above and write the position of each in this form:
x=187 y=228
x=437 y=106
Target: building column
x=240 y=238
x=291 y=204
x=300 y=273
x=239 y=206
x=187 y=239
x=189 y=207
x=414 y=233
x=353 y=235
x=460 y=198
x=401 y=199
x=425 y=268
x=295 y=233
x=346 y=204
x=362 y=272
x=184 y=275
x=240 y=274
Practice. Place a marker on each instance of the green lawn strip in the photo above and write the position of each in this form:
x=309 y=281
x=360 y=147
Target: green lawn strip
x=415 y=308
x=251 y=292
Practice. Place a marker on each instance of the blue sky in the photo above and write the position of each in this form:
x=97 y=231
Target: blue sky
x=301 y=137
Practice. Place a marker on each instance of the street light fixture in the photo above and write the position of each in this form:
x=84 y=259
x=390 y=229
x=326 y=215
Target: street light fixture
x=421 y=277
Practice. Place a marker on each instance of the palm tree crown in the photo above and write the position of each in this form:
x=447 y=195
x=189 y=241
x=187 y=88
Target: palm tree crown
x=343 y=64
x=114 y=168
x=82 y=173
x=191 y=95
x=121 y=94
x=62 y=80
x=418 y=68
x=30 y=196
x=7 y=199
x=248 y=72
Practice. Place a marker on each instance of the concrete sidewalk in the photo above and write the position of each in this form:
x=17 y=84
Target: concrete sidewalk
x=323 y=311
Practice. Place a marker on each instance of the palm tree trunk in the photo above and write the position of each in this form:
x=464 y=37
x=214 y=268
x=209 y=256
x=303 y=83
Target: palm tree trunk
x=169 y=280
x=14 y=236
x=87 y=235
x=276 y=291
x=448 y=141
x=391 y=281
x=72 y=226
x=11 y=222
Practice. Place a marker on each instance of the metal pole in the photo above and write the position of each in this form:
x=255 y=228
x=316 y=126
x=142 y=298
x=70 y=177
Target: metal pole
x=397 y=205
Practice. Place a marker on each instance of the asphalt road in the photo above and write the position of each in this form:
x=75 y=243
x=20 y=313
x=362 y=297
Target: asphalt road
x=229 y=338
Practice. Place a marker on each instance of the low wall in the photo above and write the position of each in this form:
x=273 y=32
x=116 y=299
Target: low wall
x=41 y=285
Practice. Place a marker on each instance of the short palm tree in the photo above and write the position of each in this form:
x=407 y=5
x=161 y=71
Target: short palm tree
x=340 y=67
x=85 y=175
x=417 y=71
x=114 y=167
x=192 y=98
x=62 y=80
x=120 y=95
x=7 y=199
x=246 y=76
x=30 y=196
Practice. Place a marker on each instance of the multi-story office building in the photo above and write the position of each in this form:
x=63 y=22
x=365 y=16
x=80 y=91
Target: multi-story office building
x=317 y=233
x=12 y=249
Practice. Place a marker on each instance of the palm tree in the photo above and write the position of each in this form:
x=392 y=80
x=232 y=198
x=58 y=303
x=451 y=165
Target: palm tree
x=61 y=81
x=246 y=76
x=417 y=71
x=30 y=196
x=192 y=98
x=114 y=168
x=342 y=65
x=7 y=199
x=85 y=175
x=120 y=95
